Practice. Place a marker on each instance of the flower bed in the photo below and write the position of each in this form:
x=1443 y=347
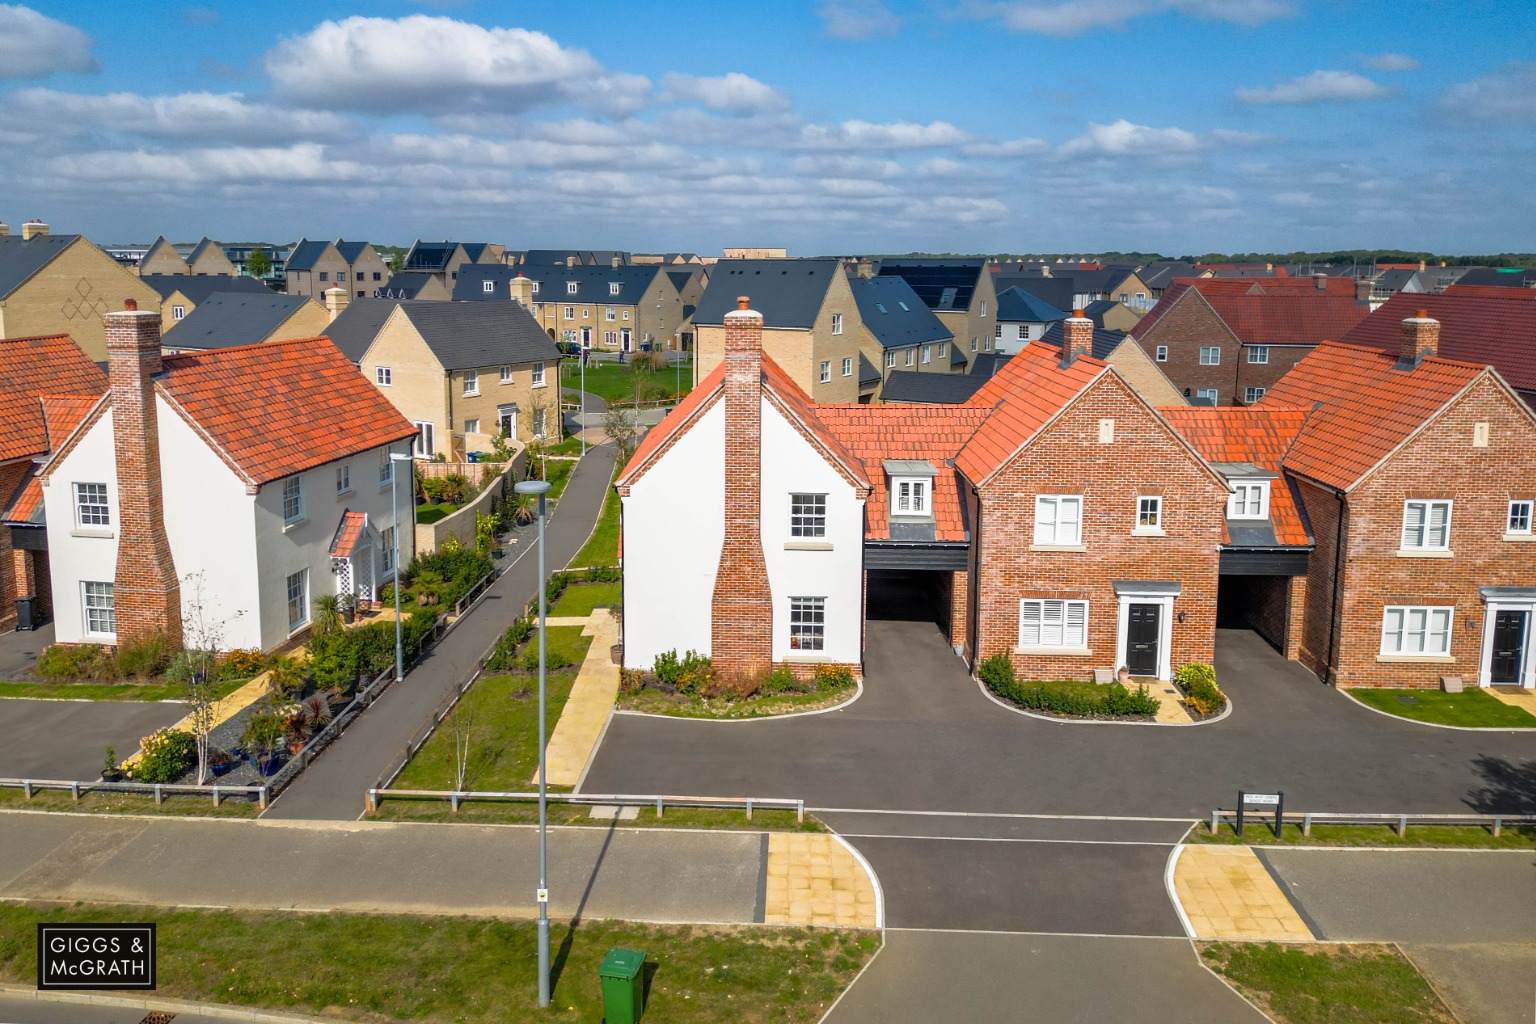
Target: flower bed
x=1067 y=698
x=687 y=686
x=1197 y=684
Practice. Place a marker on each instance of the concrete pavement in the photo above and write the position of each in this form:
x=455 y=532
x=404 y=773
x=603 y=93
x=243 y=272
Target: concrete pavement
x=58 y=1008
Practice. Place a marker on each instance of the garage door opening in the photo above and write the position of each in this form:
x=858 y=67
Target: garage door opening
x=1267 y=605
x=909 y=595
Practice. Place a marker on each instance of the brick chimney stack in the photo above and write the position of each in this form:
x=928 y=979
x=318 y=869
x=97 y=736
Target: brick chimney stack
x=522 y=291
x=146 y=592
x=1076 y=338
x=1421 y=339
x=336 y=299
x=1321 y=281
x=1362 y=290
x=741 y=629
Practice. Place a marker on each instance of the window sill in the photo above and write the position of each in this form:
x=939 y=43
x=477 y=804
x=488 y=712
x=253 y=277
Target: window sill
x=1144 y=531
x=536 y=385
x=98 y=534
x=299 y=628
x=470 y=394
x=346 y=493
x=1416 y=659
x=1057 y=547
x=807 y=659
x=1516 y=538
x=1424 y=553
x=1076 y=652
x=807 y=545
x=504 y=383
x=294 y=524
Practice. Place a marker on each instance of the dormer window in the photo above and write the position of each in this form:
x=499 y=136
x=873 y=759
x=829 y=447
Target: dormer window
x=570 y=287
x=912 y=497
x=911 y=488
x=614 y=287
x=1249 y=500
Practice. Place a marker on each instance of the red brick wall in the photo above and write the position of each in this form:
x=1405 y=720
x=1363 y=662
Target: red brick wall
x=1273 y=606
x=1318 y=626
x=10 y=480
x=1184 y=329
x=959 y=617
x=1145 y=458
x=1263 y=375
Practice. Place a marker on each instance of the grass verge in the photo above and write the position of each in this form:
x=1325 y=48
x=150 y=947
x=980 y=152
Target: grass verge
x=582 y=598
x=764 y=706
x=602 y=548
x=1331 y=984
x=469 y=970
x=1470 y=837
x=615 y=383
x=499 y=719
x=1469 y=708
x=111 y=691
x=128 y=803
x=506 y=813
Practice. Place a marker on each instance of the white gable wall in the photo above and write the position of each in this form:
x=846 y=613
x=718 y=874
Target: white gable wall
x=77 y=555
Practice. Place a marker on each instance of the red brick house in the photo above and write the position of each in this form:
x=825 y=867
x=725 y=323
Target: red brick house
x=1227 y=341
x=46 y=386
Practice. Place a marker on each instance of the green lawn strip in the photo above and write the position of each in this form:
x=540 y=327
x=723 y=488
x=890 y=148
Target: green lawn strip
x=570 y=446
x=1329 y=984
x=111 y=691
x=764 y=706
x=602 y=548
x=1468 y=708
x=432 y=513
x=500 y=714
x=558 y=473
x=102 y=802
x=470 y=970
x=614 y=383
x=527 y=813
x=582 y=598
x=1472 y=837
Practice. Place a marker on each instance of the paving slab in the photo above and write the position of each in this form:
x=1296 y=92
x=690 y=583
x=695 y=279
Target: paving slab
x=815 y=879
x=589 y=706
x=1227 y=892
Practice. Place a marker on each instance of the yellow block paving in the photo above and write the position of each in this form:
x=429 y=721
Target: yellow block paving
x=1227 y=894
x=1525 y=699
x=815 y=880
x=590 y=703
x=1169 y=710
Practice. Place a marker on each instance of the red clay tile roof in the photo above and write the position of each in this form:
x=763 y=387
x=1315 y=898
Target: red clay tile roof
x=60 y=415
x=282 y=407
x=934 y=433
x=347 y=533
x=1036 y=388
x=1260 y=435
x=1365 y=407
x=1498 y=332
x=29 y=369
x=1282 y=315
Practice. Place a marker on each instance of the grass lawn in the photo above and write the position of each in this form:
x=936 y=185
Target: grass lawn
x=558 y=474
x=614 y=383
x=127 y=803
x=527 y=813
x=762 y=706
x=470 y=970
x=111 y=691
x=570 y=446
x=1470 y=707
x=602 y=548
x=501 y=716
x=1472 y=837
x=432 y=513
x=1334 y=984
x=581 y=598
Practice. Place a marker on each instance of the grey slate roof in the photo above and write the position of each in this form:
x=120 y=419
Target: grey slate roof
x=306 y=254
x=941 y=284
x=868 y=372
x=350 y=251
x=197 y=287
x=1160 y=274
x=789 y=293
x=1015 y=305
x=930 y=388
x=405 y=285
x=462 y=335
x=893 y=313
x=1394 y=280
x=1096 y=309
x=1507 y=277
x=1054 y=291
x=985 y=364
x=429 y=256
x=592 y=283
x=231 y=319
x=474 y=250
x=20 y=260
x=1104 y=342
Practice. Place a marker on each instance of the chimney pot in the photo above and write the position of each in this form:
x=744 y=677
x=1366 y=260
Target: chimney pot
x=131 y=305
x=866 y=270
x=618 y=261
x=743 y=302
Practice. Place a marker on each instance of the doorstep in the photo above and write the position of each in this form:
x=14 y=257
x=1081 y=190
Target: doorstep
x=1514 y=696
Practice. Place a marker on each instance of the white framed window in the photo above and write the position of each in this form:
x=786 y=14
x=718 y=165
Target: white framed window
x=586 y=312
x=807 y=623
x=1426 y=525
x=293 y=500
x=1056 y=624
x=1162 y=353
x=1258 y=354
x=472 y=426
x=890 y=359
x=100 y=609
x=614 y=287
x=570 y=287
x=1251 y=395
x=298 y=599
x=383 y=376
x=847 y=366
x=386 y=469
x=826 y=371
x=387 y=539
x=837 y=323
x=535 y=288
x=1059 y=519
x=983 y=307
x=1149 y=512
x=539 y=418
x=911 y=354
x=943 y=349
x=506 y=374
x=927 y=354
x=973 y=344
x=1519 y=520
x=610 y=315
x=344 y=478
x=998 y=334
x=807 y=515
x=471 y=382
x=911 y=498
x=91 y=509
x=177 y=312
x=1210 y=355
x=538 y=375
x=1410 y=630
x=1249 y=500
x=570 y=312
x=626 y=316
x=610 y=338
x=425 y=445
x=341 y=275
x=1207 y=395
x=489 y=286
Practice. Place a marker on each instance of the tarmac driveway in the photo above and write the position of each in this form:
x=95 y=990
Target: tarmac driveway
x=923 y=737
x=67 y=739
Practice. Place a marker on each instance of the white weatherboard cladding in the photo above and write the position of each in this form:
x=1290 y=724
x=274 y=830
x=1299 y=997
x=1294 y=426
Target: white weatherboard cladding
x=791 y=464
x=674 y=524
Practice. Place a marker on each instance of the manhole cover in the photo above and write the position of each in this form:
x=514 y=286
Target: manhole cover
x=1407 y=700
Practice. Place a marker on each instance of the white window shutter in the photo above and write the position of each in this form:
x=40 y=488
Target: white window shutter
x=1045 y=520
x=1029 y=624
x=1076 y=634
x=1439 y=523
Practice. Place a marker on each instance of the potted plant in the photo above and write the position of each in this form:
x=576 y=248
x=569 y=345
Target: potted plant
x=347 y=603
x=262 y=737
x=110 y=772
x=327 y=614
x=221 y=762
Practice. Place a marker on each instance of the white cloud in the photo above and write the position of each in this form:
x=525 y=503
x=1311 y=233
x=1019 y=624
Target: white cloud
x=1006 y=150
x=1074 y=17
x=1502 y=97
x=857 y=19
x=892 y=136
x=1124 y=139
x=1391 y=62
x=33 y=45
x=732 y=93
x=1318 y=87
x=428 y=64
x=226 y=117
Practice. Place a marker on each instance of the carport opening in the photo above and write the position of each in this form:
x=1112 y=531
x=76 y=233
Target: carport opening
x=910 y=595
x=1257 y=603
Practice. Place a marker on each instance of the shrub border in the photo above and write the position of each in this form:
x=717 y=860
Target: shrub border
x=994 y=698
x=858 y=691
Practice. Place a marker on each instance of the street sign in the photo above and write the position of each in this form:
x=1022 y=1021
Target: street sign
x=1246 y=800
x=543 y=895
x=1265 y=799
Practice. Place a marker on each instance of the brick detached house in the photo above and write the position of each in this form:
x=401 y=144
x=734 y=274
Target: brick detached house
x=264 y=469
x=46 y=386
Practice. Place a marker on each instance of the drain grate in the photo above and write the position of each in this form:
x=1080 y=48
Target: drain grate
x=1407 y=700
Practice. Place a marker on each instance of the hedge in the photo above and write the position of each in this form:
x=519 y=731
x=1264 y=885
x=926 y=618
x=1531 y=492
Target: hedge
x=1115 y=702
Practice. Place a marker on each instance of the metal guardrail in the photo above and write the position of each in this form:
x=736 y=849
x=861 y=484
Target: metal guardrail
x=660 y=802
x=161 y=790
x=1400 y=822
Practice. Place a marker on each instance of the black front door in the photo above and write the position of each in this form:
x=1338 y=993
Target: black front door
x=1508 y=648
x=1141 y=634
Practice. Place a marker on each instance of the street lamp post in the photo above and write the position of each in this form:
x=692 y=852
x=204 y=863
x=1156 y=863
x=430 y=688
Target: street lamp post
x=581 y=421
x=541 y=488
x=395 y=459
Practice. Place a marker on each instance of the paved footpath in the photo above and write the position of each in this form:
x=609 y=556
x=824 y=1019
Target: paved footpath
x=333 y=787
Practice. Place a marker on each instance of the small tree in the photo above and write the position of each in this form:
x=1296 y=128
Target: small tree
x=396 y=261
x=623 y=428
x=258 y=264
x=197 y=665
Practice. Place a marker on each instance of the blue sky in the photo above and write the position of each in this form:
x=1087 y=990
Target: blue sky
x=827 y=126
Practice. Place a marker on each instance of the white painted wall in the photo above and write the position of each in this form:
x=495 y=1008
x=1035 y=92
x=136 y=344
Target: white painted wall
x=674 y=525
x=1016 y=335
x=76 y=555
